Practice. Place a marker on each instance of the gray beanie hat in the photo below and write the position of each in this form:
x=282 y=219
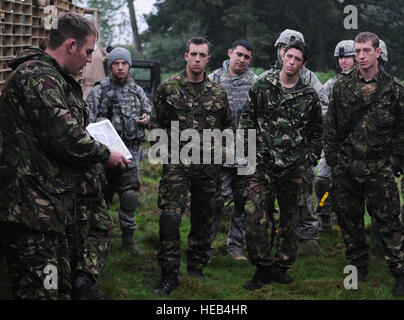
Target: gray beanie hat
x=119 y=53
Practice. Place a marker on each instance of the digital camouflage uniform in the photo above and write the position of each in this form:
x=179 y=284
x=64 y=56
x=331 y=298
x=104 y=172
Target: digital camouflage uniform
x=322 y=182
x=323 y=179
x=236 y=88
x=207 y=108
x=46 y=151
x=365 y=150
x=123 y=105
x=308 y=223
x=289 y=129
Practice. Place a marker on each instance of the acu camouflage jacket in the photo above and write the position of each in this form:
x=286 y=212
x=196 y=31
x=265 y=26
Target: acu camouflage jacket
x=236 y=88
x=123 y=105
x=360 y=143
x=288 y=123
x=46 y=151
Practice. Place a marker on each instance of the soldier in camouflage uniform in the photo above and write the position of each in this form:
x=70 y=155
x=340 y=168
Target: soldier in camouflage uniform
x=286 y=112
x=46 y=152
x=236 y=78
x=364 y=145
x=191 y=100
x=308 y=222
x=119 y=99
x=375 y=232
x=344 y=55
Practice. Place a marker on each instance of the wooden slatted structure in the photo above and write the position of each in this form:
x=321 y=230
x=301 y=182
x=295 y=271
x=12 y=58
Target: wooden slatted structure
x=22 y=26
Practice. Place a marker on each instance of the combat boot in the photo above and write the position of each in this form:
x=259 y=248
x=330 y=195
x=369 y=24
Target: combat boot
x=169 y=281
x=128 y=242
x=280 y=275
x=83 y=288
x=194 y=272
x=238 y=255
x=399 y=289
x=261 y=277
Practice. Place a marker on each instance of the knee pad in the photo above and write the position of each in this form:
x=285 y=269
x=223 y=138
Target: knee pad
x=321 y=186
x=128 y=200
x=169 y=225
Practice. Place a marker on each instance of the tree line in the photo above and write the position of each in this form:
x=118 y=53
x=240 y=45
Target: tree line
x=173 y=22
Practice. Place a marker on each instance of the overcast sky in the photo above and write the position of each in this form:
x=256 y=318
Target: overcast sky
x=142 y=7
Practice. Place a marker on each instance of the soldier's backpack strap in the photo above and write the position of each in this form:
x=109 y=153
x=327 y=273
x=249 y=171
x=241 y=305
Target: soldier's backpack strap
x=105 y=86
x=366 y=107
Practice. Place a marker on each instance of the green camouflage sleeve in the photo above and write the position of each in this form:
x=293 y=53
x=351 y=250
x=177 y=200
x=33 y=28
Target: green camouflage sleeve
x=248 y=118
x=397 y=154
x=60 y=133
x=330 y=134
x=94 y=100
x=315 y=131
x=228 y=120
x=161 y=114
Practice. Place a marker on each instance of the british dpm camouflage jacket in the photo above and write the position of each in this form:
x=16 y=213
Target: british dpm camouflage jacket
x=360 y=143
x=46 y=148
x=177 y=101
x=236 y=88
x=123 y=105
x=288 y=123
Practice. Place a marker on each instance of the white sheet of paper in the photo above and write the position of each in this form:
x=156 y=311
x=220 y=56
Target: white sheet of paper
x=104 y=132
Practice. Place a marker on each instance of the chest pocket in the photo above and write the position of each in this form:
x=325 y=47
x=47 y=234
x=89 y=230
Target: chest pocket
x=182 y=111
x=212 y=113
x=384 y=116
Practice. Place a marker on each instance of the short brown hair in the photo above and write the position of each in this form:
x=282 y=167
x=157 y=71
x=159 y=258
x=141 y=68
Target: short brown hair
x=71 y=25
x=299 y=45
x=368 y=36
x=197 y=41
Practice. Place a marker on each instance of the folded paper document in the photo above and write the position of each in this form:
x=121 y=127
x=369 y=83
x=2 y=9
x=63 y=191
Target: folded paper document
x=104 y=132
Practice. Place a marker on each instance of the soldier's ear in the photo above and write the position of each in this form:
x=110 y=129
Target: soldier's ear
x=378 y=52
x=70 y=45
x=230 y=52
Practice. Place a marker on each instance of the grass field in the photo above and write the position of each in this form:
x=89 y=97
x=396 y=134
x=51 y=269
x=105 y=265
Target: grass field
x=133 y=276
x=318 y=275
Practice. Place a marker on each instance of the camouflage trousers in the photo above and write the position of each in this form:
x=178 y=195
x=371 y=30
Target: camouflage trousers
x=90 y=238
x=262 y=188
x=381 y=193
x=203 y=184
x=122 y=181
x=308 y=223
x=83 y=248
x=38 y=263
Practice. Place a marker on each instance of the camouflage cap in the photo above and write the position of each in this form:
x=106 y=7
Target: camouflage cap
x=383 y=54
x=345 y=48
x=287 y=36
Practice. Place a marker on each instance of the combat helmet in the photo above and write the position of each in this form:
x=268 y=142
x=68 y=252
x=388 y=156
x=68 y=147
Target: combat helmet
x=287 y=36
x=345 y=48
x=383 y=54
